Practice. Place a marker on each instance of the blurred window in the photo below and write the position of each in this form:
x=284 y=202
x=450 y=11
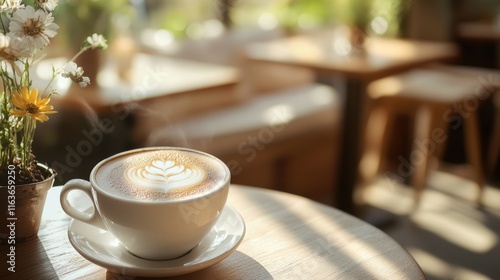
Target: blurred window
x=194 y=19
x=200 y=19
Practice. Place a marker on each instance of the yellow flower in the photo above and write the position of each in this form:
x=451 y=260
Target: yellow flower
x=28 y=103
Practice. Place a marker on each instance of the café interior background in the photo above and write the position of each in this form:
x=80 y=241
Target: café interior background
x=217 y=32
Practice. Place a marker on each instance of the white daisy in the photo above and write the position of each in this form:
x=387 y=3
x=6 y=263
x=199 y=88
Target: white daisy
x=47 y=5
x=20 y=47
x=37 y=25
x=9 y=6
x=97 y=41
x=13 y=48
x=5 y=54
x=75 y=73
x=85 y=81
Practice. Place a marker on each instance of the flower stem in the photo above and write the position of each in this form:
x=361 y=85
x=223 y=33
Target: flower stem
x=27 y=140
x=82 y=50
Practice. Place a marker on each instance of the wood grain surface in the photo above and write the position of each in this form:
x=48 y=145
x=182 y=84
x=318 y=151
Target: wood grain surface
x=287 y=237
x=382 y=56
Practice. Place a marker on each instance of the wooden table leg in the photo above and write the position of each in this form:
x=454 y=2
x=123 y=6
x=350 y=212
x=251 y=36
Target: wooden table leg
x=351 y=131
x=353 y=92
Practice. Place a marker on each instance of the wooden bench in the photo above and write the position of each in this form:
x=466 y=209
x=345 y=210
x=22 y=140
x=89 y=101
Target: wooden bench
x=287 y=138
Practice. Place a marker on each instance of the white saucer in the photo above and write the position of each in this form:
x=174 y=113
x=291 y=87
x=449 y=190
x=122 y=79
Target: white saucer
x=102 y=248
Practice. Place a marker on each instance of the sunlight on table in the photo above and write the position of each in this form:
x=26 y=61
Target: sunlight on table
x=441 y=269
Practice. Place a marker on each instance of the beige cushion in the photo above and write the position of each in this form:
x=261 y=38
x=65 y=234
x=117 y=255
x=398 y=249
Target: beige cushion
x=269 y=118
x=437 y=83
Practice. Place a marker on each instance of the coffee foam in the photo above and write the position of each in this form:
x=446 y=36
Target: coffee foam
x=160 y=174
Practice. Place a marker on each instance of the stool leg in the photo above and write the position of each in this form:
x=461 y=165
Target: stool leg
x=375 y=135
x=372 y=150
x=473 y=151
x=419 y=156
x=494 y=150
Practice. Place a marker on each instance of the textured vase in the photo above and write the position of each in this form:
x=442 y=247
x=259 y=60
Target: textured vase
x=22 y=211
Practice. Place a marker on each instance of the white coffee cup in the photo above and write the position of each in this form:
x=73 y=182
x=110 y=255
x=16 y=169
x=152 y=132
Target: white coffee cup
x=158 y=202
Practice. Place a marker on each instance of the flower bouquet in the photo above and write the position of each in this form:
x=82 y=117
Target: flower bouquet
x=27 y=28
x=26 y=31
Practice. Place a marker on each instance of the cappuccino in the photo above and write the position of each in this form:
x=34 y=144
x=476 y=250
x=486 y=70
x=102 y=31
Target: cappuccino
x=158 y=202
x=161 y=174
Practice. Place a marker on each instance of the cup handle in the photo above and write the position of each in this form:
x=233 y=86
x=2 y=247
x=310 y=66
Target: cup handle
x=90 y=218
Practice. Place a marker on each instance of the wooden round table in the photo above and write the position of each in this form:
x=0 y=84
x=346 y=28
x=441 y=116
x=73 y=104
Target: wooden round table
x=287 y=237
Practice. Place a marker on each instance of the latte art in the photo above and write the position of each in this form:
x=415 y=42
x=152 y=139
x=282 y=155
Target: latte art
x=165 y=175
x=161 y=174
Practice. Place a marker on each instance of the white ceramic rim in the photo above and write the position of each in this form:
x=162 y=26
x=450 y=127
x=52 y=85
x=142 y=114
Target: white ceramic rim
x=211 y=192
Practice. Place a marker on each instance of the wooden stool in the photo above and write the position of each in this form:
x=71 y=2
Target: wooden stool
x=442 y=98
